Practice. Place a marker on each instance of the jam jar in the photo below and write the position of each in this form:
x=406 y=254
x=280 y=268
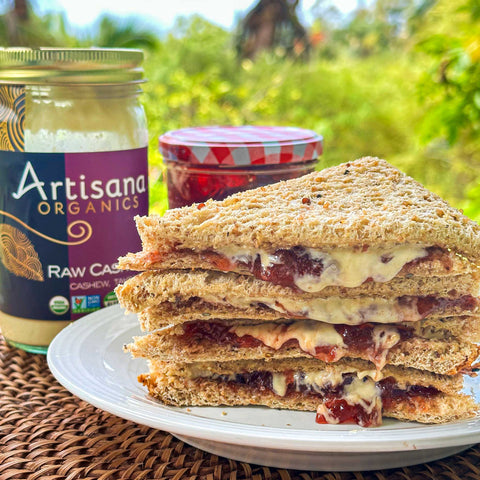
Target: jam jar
x=73 y=174
x=215 y=162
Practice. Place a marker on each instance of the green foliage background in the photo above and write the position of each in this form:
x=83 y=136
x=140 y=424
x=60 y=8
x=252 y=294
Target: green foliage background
x=367 y=93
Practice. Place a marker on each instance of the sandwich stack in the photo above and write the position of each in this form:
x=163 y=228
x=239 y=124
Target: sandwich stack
x=352 y=292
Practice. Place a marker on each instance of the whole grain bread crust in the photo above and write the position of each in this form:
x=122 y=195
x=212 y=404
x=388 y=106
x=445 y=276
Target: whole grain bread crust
x=363 y=202
x=169 y=313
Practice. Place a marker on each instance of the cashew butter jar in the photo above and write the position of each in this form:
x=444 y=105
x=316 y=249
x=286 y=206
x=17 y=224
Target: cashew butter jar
x=73 y=174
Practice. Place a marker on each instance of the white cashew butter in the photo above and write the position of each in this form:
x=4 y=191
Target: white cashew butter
x=342 y=267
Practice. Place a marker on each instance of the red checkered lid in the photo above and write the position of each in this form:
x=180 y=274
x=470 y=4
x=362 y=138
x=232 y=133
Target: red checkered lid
x=241 y=146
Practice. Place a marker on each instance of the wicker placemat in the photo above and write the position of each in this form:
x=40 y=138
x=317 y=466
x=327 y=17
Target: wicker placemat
x=46 y=433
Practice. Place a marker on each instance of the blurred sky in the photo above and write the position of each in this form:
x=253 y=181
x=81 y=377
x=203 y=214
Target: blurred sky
x=162 y=13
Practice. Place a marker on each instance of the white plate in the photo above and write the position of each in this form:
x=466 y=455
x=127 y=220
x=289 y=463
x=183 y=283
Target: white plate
x=87 y=359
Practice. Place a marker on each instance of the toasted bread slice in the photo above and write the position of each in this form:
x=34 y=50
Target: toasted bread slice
x=372 y=302
x=429 y=398
x=174 y=313
x=363 y=202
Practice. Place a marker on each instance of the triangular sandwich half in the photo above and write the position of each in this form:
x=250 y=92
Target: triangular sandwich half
x=343 y=392
x=343 y=226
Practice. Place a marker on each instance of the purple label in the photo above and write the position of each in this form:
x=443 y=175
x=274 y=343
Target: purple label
x=109 y=189
x=73 y=216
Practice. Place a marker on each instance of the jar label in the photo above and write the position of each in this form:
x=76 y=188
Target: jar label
x=65 y=218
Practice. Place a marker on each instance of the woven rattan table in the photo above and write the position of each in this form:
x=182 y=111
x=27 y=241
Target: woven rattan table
x=47 y=433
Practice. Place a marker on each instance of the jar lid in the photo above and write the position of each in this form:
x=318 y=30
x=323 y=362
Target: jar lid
x=241 y=146
x=60 y=66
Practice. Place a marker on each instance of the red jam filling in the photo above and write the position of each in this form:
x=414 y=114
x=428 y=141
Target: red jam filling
x=435 y=254
x=358 y=338
x=345 y=413
x=332 y=396
x=289 y=264
x=217 y=333
x=429 y=304
x=390 y=394
x=296 y=262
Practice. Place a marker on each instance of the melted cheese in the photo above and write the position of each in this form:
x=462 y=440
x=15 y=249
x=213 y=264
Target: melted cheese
x=351 y=311
x=362 y=392
x=245 y=255
x=342 y=267
x=279 y=384
x=317 y=380
x=336 y=310
x=308 y=334
x=311 y=334
x=351 y=268
x=384 y=337
x=376 y=375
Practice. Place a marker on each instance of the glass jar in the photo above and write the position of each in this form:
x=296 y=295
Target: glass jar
x=73 y=174
x=215 y=162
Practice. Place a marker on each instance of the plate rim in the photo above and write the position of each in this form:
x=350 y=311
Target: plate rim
x=181 y=422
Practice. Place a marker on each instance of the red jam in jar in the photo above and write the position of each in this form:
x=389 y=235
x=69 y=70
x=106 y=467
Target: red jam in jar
x=215 y=162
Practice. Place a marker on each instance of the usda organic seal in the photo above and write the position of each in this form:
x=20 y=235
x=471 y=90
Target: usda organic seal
x=59 y=305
